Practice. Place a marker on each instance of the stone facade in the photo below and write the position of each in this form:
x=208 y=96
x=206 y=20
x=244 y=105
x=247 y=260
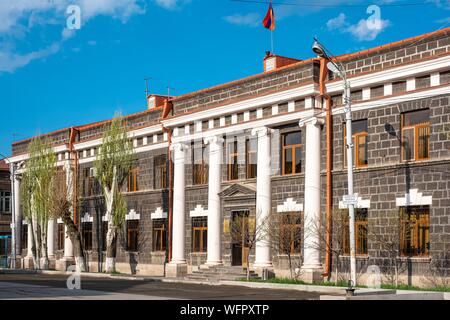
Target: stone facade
x=266 y=107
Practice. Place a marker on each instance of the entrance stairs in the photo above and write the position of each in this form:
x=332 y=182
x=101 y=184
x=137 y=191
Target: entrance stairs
x=217 y=273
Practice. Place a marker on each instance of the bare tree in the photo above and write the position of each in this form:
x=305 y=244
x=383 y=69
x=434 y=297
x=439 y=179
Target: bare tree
x=286 y=236
x=61 y=207
x=388 y=236
x=246 y=230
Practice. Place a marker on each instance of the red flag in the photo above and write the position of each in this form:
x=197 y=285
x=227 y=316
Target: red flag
x=269 y=20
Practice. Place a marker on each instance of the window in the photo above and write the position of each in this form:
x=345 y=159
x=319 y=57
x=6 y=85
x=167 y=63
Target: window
x=199 y=234
x=290 y=232
x=200 y=167
x=356 y=95
x=88 y=182
x=5 y=201
x=61 y=236
x=377 y=91
x=133 y=180
x=252 y=158
x=104 y=234
x=233 y=166
x=132 y=235
x=416 y=135
x=398 y=87
x=159 y=235
x=361 y=232
x=423 y=82
x=160 y=172
x=359 y=134
x=414 y=231
x=444 y=77
x=24 y=236
x=291 y=153
x=87 y=235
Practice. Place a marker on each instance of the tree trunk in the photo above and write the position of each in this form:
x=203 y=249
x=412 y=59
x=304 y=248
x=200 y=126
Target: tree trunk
x=75 y=237
x=336 y=280
x=290 y=265
x=111 y=248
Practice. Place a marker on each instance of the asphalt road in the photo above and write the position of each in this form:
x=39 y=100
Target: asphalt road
x=44 y=286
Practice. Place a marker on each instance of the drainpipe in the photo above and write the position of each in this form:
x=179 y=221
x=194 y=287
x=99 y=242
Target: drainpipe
x=166 y=112
x=74 y=157
x=329 y=144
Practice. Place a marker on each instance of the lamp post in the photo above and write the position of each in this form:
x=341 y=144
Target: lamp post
x=13 y=215
x=350 y=200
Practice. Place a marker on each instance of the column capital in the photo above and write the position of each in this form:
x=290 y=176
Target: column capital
x=178 y=147
x=262 y=131
x=315 y=120
x=217 y=139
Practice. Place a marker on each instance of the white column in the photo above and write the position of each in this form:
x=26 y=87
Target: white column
x=311 y=260
x=18 y=216
x=68 y=246
x=178 y=228
x=263 y=258
x=214 y=256
x=51 y=239
x=29 y=241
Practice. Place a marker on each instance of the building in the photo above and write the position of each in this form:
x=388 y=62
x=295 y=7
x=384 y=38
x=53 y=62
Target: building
x=5 y=212
x=273 y=143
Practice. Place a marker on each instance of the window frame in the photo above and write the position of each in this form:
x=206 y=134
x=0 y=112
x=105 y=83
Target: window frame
x=199 y=228
x=159 y=231
x=162 y=168
x=418 y=225
x=294 y=148
x=87 y=235
x=133 y=185
x=248 y=153
x=61 y=236
x=5 y=201
x=355 y=140
x=293 y=228
x=231 y=164
x=132 y=228
x=415 y=128
x=359 y=224
x=200 y=176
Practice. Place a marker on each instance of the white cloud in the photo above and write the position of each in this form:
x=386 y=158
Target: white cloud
x=365 y=30
x=171 y=4
x=19 y=18
x=251 y=19
x=10 y=61
x=337 y=22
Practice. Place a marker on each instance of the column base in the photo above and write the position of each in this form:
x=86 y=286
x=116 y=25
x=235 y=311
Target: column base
x=213 y=263
x=311 y=274
x=64 y=263
x=28 y=263
x=176 y=269
x=263 y=265
x=51 y=262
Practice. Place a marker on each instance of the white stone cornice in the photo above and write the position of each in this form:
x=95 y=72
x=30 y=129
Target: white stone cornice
x=132 y=215
x=315 y=120
x=262 y=132
x=87 y=218
x=414 y=198
x=199 y=211
x=290 y=205
x=267 y=100
x=215 y=139
x=158 y=214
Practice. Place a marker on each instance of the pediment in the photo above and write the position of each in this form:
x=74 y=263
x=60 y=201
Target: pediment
x=238 y=190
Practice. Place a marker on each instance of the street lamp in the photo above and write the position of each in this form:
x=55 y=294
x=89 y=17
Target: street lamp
x=350 y=199
x=13 y=216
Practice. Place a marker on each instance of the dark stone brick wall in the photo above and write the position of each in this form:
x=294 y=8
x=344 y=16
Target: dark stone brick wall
x=55 y=139
x=390 y=56
x=274 y=81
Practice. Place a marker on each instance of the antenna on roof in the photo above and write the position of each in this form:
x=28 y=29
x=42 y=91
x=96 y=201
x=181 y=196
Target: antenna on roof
x=168 y=91
x=146 y=87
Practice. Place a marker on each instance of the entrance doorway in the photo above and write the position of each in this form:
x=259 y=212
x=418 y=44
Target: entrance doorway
x=240 y=249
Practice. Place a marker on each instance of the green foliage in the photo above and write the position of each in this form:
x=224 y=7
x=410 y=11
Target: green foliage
x=113 y=164
x=37 y=180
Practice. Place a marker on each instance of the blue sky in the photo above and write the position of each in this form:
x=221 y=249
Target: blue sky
x=51 y=78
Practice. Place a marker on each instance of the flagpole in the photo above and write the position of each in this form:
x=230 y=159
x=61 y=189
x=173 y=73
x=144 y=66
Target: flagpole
x=271 y=41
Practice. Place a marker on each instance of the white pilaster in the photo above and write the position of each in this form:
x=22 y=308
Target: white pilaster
x=311 y=262
x=18 y=216
x=214 y=255
x=68 y=246
x=178 y=229
x=51 y=238
x=263 y=258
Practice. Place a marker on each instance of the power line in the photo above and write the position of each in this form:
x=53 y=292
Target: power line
x=317 y=5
